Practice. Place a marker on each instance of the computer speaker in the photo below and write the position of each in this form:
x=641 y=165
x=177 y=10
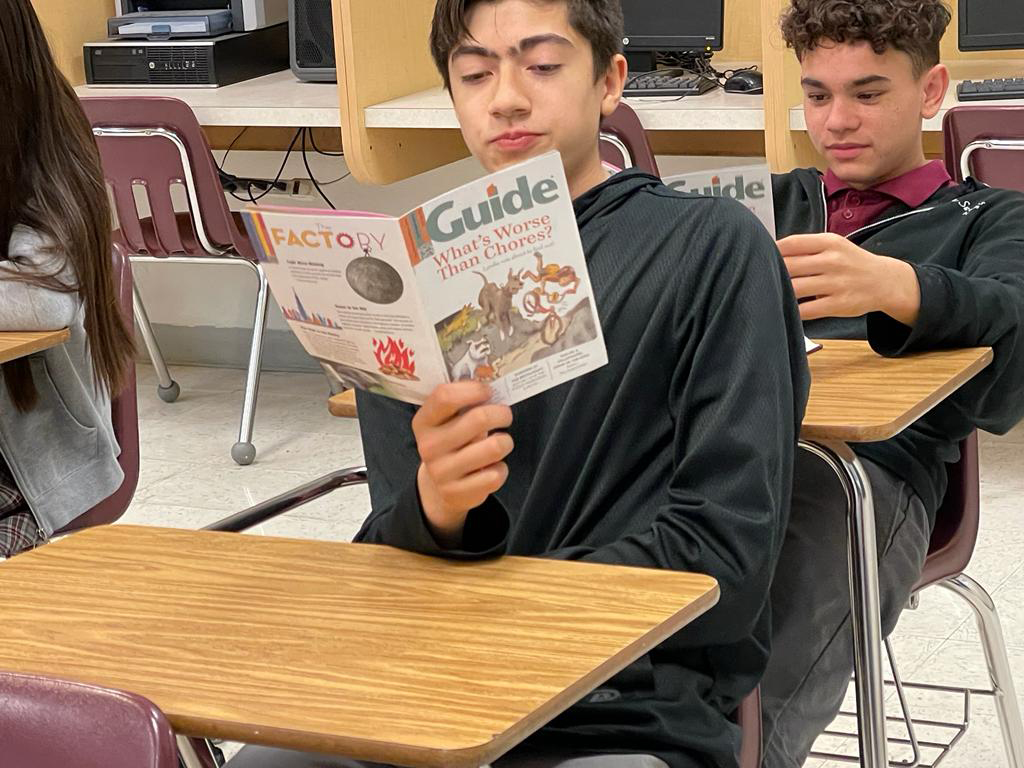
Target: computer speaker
x=312 y=40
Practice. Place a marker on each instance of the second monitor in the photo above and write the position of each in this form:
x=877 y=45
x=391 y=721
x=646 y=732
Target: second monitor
x=670 y=26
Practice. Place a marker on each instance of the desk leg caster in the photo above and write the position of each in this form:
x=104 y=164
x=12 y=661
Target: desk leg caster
x=243 y=453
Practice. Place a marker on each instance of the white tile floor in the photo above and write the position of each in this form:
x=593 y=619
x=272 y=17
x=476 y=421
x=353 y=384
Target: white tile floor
x=188 y=480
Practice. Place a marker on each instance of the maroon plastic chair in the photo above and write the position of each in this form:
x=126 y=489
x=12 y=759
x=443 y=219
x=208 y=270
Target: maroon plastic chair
x=748 y=717
x=624 y=142
x=49 y=723
x=949 y=553
x=985 y=141
x=151 y=145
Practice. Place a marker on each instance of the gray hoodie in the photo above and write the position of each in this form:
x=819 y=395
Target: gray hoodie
x=62 y=453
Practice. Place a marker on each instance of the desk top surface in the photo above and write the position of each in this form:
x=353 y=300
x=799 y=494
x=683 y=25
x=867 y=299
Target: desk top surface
x=713 y=111
x=859 y=396
x=15 y=344
x=353 y=649
x=278 y=99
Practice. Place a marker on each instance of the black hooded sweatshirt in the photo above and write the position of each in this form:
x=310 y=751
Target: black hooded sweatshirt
x=677 y=454
x=966 y=244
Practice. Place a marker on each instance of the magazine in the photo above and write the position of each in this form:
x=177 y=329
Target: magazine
x=485 y=282
x=747 y=184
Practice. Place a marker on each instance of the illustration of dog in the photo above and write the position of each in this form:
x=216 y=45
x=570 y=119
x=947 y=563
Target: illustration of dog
x=475 y=362
x=496 y=302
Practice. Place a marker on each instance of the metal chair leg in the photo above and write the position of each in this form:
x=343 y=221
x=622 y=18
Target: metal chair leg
x=244 y=452
x=167 y=388
x=864 y=603
x=190 y=756
x=993 y=642
x=333 y=381
x=908 y=721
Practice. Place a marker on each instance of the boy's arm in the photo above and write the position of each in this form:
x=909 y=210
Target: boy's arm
x=737 y=399
x=982 y=304
x=393 y=463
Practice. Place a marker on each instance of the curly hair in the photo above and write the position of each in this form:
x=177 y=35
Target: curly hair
x=914 y=27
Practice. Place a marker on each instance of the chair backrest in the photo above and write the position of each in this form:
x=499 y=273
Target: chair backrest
x=155 y=143
x=748 y=716
x=624 y=142
x=124 y=415
x=986 y=142
x=49 y=723
x=956 y=523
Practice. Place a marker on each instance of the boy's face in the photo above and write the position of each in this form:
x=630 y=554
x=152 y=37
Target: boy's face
x=864 y=110
x=523 y=84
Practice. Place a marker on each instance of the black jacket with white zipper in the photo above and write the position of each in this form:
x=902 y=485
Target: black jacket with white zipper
x=966 y=244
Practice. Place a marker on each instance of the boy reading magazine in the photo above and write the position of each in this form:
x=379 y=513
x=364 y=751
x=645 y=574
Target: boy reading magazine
x=487 y=282
x=677 y=453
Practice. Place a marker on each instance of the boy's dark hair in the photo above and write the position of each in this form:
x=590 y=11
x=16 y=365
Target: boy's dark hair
x=914 y=27
x=599 y=21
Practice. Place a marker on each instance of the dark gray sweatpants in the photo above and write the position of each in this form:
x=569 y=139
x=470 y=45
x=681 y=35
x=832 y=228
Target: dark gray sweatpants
x=812 y=639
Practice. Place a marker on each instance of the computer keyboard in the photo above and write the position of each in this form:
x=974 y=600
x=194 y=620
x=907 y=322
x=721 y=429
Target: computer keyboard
x=998 y=88
x=668 y=82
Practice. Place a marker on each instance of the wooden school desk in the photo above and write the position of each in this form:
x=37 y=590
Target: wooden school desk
x=15 y=344
x=858 y=396
x=351 y=649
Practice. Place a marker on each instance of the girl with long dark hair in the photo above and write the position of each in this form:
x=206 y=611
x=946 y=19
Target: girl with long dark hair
x=58 y=455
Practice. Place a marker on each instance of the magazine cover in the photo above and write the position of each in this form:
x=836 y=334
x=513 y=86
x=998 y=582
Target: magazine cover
x=747 y=184
x=486 y=282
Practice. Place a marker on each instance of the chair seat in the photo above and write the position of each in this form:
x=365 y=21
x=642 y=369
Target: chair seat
x=188 y=239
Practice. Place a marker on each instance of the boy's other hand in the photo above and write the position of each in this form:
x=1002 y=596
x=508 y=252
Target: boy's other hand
x=461 y=455
x=835 y=278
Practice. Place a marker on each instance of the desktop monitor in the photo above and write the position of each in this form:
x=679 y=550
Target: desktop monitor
x=671 y=26
x=990 y=25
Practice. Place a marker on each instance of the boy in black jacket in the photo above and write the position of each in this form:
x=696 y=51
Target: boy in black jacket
x=677 y=454
x=883 y=247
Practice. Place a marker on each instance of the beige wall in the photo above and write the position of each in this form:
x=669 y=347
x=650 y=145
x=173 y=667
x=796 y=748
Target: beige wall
x=70 y=23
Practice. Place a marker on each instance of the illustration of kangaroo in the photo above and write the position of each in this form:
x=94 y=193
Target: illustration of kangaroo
x=496 y=302
x=476 y=357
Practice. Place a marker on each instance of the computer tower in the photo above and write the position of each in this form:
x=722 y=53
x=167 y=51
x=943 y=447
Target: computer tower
x=207 y=62
x=312 y=40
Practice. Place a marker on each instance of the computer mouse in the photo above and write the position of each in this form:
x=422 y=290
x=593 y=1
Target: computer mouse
x=749 y=81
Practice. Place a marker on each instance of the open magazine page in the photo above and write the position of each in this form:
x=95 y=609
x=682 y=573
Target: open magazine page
x=347 y=290
x=747 y=184
x=504 y=280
